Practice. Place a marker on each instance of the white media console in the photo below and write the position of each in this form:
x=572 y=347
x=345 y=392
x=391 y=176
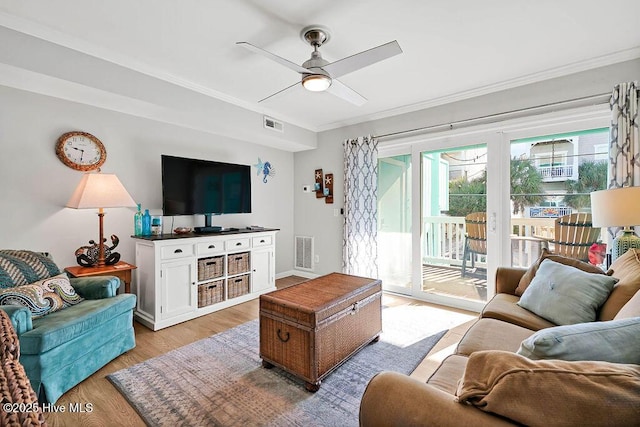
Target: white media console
x=181 y=277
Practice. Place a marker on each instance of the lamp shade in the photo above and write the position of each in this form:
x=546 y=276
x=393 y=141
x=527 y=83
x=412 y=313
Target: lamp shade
x=100 y=190
x=617 y=207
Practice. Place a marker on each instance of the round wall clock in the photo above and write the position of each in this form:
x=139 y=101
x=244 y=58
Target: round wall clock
x=80 y=151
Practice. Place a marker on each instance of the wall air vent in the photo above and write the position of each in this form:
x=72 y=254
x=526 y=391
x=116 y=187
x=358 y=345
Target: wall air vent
x=304 y=253
x=273 y=124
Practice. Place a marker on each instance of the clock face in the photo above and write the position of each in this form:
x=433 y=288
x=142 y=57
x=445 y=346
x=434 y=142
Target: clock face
x=81 y=151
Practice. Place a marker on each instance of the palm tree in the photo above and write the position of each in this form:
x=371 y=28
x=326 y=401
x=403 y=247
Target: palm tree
x=592 y=176
x=526 y=184
x=467 y=196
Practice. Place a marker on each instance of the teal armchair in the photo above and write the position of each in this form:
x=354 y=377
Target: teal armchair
x=61 y=349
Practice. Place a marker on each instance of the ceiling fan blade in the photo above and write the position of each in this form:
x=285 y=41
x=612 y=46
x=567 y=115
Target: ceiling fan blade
x=343 y=91
x=363 y=59
x=280 y=92
x=273 y=57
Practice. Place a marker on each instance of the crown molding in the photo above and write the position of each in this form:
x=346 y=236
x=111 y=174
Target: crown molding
x=54 y=36
x=576 y=67
x=51 y=35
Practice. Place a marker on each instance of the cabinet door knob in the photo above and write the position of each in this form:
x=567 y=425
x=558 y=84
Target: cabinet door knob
x=177 y=251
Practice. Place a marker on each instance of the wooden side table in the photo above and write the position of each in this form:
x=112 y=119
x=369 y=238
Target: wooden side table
x=121 y=270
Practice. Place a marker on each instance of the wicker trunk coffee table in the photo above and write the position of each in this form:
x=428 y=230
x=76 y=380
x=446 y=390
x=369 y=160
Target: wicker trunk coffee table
x=312 y=328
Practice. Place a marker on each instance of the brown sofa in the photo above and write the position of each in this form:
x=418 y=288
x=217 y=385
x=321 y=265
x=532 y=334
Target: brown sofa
x=485 y=383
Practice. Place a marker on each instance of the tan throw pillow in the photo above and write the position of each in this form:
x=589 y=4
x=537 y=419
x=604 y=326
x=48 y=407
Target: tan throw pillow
x=627 y=270
x=630 y=309
x=531 y=272
x=551 y=392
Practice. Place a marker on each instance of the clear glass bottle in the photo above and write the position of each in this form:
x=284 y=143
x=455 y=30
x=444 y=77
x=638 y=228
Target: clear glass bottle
x=146 y=223
x=137 y=222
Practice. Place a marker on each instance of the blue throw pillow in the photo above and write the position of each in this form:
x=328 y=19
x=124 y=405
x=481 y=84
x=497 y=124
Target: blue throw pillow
x=566 y=295
x=616 y=341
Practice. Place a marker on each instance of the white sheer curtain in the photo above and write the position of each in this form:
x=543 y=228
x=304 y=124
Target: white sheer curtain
x=624 y=144
x=359 y=245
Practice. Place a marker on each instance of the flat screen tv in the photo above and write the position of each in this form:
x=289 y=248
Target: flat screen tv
x=196 y=187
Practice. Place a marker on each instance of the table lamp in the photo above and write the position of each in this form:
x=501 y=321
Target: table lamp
x=618 y=207
x=99 y=191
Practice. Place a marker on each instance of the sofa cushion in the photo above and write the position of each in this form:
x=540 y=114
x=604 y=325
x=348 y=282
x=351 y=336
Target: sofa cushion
x=42 y=297
x=504 y=307
x=565 y=295
x=492 y=334
x=616 y=341
x=551 y=392
x=630 y=309
x=526 y=279
x=18 y=267
x=448 y=374
x=62 y=326
x=627 y=270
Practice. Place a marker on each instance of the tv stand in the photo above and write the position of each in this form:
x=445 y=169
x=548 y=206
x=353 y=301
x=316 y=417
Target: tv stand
x=181 y=277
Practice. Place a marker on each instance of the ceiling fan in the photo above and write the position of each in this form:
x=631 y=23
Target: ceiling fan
x=319 y=74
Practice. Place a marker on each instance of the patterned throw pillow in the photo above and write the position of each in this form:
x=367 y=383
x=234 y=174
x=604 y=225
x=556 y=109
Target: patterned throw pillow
x=43 y=297
x=24 y=267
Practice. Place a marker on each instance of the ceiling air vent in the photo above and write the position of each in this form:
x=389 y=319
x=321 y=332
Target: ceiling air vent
x=273 y=124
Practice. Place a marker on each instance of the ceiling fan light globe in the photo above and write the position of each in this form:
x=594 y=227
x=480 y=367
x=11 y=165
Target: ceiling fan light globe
x=316 y=82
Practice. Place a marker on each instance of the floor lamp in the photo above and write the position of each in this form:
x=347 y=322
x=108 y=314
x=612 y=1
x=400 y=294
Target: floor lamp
x=618 y=207
x=99 y=191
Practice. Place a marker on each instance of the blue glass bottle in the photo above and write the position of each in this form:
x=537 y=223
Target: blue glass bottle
x=137 y=222
x=146 y=223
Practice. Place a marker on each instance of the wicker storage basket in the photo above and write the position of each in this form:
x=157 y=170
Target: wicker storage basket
x=210 y=293
x=238 y=286
x=311 y=328
x=210 y=268
x=237 y=263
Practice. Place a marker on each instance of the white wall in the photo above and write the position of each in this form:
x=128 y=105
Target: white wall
x=314 y=218
x=35 y=185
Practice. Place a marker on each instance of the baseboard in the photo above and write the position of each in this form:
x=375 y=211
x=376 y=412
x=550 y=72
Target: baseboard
x=300 y=273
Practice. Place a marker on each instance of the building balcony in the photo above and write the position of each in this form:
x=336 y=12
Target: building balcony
x=556 y=173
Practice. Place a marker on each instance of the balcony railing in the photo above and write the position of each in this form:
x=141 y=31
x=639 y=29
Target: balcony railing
x=548 y=211
x=550 y=173
x=443 y=240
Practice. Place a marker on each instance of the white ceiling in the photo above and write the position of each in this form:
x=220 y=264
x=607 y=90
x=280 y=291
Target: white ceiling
x=451 y=49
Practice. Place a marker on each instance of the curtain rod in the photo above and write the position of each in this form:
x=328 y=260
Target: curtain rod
x=601 y=98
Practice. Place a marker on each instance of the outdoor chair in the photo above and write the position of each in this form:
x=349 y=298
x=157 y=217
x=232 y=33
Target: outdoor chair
x=574 y=235
x=475 y=241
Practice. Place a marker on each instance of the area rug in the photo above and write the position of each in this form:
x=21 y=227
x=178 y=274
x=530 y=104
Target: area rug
x=219 y=381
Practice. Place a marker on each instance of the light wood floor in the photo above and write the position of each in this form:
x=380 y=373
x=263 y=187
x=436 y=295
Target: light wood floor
x=111 y=409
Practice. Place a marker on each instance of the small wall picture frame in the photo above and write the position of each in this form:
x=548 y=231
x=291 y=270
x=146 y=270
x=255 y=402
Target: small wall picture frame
x=328 y=188
x=318 y=187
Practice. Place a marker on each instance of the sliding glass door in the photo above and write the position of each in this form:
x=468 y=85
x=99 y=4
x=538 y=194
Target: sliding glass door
x=394 y=222
x=453 y=238
x=454 y=206
x=426 y=248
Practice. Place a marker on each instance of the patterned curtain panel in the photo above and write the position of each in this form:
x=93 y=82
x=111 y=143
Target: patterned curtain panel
x=359 y=245
x=624 y=147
